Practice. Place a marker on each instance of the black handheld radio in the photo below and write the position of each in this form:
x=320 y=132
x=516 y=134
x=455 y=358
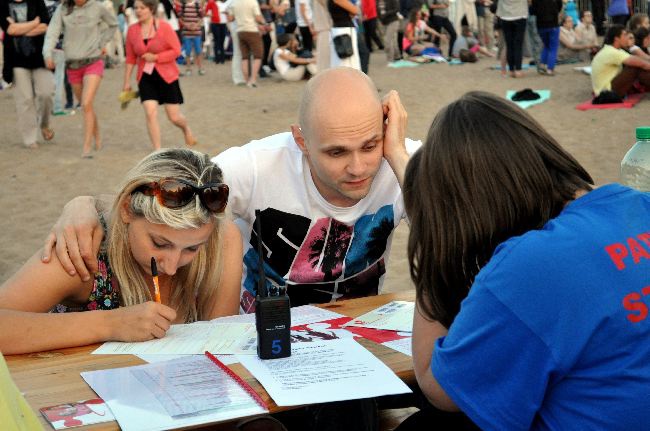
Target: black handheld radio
x=272 y=311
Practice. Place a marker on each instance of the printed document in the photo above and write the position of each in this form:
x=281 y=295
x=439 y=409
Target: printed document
x=322 y=372
x=192 y=339
x=173 y=394
x=394 y=316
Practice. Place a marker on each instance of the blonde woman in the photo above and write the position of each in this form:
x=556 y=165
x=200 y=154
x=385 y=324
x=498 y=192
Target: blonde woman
x=170 y=208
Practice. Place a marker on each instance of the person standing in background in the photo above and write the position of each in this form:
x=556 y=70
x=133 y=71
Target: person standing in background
x=247 y=15
x=439 y=19
x=218 y=30
x=305 y=24
x=342 y=13
x=83 y=47
x=618 y=12
x=547 y=13
x=24 y=23
x=513 y=15
x=369 y=10
x=322 y=25
x=191 y=18
x=388 y=12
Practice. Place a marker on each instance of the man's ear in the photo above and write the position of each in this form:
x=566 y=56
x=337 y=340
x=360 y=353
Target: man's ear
x=296 y=131
x=125 y=211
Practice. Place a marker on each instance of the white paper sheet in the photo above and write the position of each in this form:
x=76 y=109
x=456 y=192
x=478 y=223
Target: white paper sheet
x=136 y=407
x=403 y=345
x=303 y=315
x=192 y=339
x=394 y=316
x=225 y=359
x=323 y=372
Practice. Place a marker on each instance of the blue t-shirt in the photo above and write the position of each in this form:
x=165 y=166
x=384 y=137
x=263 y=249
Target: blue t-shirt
x=555 y=332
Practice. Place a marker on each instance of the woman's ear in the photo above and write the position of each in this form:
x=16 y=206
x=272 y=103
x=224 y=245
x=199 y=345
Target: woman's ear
x=125 y=210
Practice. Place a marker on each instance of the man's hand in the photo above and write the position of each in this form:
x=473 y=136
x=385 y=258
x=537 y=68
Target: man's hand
x=141 y=322
x=395 y=121
x=77 y=236
x=49 y=63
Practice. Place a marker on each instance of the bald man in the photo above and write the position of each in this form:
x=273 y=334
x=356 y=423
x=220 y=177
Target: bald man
x=328 y=193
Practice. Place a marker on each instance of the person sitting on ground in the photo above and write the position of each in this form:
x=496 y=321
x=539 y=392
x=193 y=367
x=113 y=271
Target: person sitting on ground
x=586 y=32
x=614 y=69
x=637 y=21
x=466 y=41
x=642 y=40
x=572 y=48
x=637 y=45
x=287 y=63
x=530 y=282
x=170 y=208
x=416 y=34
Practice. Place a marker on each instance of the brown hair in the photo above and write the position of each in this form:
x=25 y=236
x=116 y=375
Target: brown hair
x=487 y=172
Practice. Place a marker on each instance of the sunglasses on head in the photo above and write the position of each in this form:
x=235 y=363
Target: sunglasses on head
x=176 y=193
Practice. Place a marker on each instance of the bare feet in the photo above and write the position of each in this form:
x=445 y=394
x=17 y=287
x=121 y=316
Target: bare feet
x=47 y=133
x=32 y=146
x=190 y=140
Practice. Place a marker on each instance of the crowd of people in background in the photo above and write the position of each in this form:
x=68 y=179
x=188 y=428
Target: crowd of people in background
x=292 y=40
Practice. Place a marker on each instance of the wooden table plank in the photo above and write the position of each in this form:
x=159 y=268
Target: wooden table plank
x=51 y=378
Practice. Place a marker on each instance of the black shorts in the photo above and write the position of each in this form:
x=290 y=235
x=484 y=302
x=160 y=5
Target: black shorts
x=153 y=87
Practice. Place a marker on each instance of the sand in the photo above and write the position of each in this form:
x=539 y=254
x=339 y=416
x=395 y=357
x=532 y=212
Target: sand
x=35 y=184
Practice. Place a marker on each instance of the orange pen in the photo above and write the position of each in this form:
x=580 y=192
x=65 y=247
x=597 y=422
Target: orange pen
x=154 y=273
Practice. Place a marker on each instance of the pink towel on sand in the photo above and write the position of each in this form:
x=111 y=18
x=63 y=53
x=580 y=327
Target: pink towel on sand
x=629 y=102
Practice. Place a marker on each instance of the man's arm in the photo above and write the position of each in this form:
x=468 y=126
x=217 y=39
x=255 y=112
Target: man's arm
x=348 y=6
x=77 y=235
x=425 y=334
x=39 y=30
x=635 y=61
x=22 y=28
x=395 y=121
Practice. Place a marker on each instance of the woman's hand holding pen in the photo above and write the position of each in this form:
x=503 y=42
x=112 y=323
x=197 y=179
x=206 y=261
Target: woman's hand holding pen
x=141 y=322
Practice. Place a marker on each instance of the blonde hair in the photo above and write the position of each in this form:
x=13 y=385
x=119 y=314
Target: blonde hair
x=194 y=285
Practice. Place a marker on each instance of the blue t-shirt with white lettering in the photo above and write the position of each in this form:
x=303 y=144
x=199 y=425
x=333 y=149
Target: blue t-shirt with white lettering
x=555 y=332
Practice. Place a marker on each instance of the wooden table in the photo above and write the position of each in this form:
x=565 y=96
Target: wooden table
x=52 y=378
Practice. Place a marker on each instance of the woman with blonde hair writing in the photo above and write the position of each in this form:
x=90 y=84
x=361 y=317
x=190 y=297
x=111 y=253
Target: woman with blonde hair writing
x=170 y=208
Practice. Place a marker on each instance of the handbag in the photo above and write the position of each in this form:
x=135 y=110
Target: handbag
x=343 y=45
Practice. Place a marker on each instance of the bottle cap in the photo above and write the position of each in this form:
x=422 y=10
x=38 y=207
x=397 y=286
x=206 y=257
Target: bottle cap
x=643 y=132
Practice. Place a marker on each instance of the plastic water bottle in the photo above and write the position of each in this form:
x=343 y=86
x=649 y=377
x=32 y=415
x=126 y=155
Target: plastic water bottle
x=635 y=167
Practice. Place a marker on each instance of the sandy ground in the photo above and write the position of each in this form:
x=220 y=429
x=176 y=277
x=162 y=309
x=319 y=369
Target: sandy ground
x=35 y=184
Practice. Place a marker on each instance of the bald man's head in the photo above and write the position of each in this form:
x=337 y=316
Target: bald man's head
x=327 y=95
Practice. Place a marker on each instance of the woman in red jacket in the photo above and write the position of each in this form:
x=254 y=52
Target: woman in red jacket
x=153 y=46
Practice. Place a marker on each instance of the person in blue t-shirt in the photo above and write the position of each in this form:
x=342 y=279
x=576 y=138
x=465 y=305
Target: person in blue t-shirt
x=533 y=287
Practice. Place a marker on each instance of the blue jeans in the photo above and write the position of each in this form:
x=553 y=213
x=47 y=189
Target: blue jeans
x=551 y=40
x=192 y=41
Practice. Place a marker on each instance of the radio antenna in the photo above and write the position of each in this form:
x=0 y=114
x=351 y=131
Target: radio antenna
x=261 y=282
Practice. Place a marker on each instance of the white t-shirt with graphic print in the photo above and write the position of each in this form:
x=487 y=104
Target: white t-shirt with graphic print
x=320 y=252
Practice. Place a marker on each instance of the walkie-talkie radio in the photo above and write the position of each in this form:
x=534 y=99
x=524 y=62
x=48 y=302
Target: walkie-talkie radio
x=272 y=311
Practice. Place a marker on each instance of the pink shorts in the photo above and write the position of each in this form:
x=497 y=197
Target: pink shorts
x=76 y=76
x=475 y=48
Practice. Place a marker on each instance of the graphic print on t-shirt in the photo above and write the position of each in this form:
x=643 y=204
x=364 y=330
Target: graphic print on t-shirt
x=322 y=260
x=24 y=45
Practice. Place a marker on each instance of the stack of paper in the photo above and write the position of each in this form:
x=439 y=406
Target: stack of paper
x=173 y=394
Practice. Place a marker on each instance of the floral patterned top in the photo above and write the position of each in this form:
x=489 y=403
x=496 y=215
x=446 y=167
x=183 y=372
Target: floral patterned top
x=106 y=290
